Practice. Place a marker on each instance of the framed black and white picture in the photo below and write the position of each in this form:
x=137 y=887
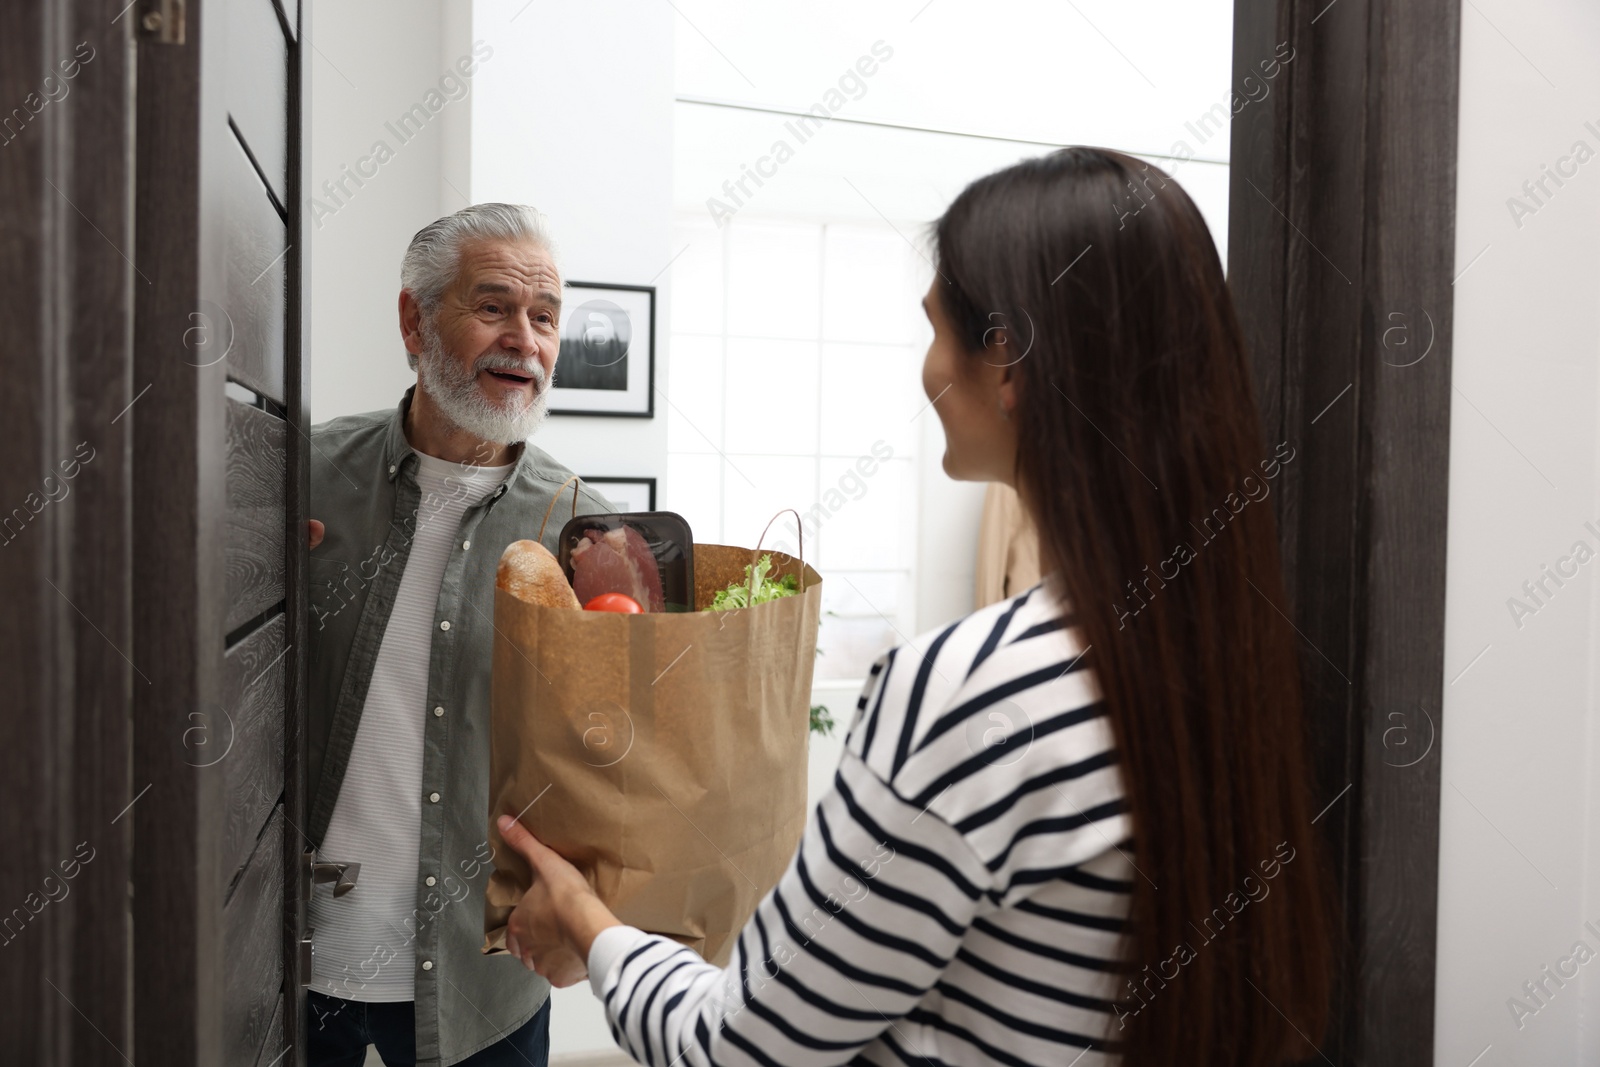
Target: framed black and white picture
x=628 y=494
x=608 y=351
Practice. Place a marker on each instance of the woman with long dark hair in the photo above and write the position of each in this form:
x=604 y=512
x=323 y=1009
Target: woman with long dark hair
x=1072 y=827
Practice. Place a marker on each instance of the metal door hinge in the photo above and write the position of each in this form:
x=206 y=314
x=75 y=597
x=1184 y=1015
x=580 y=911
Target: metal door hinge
x=163 y=21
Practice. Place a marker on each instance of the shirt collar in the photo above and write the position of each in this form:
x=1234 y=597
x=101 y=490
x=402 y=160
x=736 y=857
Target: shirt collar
x=397 y=448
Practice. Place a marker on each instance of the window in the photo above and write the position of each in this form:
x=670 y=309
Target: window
x=796 y=383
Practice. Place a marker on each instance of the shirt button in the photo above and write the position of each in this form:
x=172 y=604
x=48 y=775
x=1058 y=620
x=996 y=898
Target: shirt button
x=433 y=798
x=427 y=965
x=438 y=713
x=465 y=545
x=429 y=880
x=445 y=625
x=391 y=468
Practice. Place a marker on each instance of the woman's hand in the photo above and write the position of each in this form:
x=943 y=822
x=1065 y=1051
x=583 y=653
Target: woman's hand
x=556 y=921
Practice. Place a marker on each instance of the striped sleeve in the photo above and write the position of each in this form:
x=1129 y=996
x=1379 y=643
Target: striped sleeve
x=960 y=893
x=867 y=916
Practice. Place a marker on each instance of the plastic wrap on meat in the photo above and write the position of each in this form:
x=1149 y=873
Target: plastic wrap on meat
x=616 y=561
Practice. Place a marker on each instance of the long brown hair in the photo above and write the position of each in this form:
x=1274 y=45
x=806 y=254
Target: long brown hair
x=1142 y=462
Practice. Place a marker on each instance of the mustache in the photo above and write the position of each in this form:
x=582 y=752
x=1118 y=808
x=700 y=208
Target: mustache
x=531 y=367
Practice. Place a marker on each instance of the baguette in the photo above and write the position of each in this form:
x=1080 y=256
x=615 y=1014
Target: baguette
x=531 y=574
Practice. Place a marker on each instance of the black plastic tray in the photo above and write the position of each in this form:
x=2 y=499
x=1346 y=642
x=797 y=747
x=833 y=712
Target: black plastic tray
x=670 y=540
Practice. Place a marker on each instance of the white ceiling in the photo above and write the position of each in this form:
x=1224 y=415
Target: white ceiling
x=1128 y=76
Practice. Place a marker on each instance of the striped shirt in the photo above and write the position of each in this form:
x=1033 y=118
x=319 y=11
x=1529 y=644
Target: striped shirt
x=959 y=895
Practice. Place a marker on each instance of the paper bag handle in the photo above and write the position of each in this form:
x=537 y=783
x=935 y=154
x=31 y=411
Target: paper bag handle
x=557 y=496
x=800 y=546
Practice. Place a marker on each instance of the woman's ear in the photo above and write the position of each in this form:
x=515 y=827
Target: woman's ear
x=1007 y=390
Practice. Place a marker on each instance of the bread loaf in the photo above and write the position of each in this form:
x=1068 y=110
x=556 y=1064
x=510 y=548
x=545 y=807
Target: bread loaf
x=531 y=574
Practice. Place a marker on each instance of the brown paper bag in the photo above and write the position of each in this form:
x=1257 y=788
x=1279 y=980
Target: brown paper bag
x=663 y=754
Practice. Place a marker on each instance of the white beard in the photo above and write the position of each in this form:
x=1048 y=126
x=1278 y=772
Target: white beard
x=455 y=391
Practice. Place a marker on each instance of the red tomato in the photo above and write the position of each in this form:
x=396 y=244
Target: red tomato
x=614 y=602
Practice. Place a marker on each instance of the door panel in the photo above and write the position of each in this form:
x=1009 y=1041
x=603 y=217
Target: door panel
x=219 y=476
x=250 y=312
x=275 y=1046
x=253 y=944
x=254 y=694
x=258 y=87
x=255 y=547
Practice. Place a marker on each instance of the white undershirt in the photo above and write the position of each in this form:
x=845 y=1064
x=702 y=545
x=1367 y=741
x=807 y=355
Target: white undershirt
x=364 y=942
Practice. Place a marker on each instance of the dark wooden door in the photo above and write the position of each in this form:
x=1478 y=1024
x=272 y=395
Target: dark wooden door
x=66 y=235
x=219 y=471
x=1341 y=252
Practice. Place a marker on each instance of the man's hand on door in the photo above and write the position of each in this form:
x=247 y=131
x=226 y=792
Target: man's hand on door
x=315 y=530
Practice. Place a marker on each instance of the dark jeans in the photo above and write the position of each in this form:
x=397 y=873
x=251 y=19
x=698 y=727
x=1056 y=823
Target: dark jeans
x=341 y=1030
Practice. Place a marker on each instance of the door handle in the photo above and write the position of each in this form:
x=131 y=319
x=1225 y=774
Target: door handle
x=343 y=876
x=312 y=872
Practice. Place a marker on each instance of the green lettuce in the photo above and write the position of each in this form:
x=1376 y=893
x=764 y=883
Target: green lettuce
x=737 y=595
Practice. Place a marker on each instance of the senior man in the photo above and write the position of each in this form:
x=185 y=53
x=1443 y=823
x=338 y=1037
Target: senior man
x=416 y=505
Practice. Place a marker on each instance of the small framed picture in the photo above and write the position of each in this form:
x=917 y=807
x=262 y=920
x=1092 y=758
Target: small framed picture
x=628 y=494
x=607 y=363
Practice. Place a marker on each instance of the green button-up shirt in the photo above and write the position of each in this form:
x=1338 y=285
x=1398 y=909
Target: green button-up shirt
x=364 y=489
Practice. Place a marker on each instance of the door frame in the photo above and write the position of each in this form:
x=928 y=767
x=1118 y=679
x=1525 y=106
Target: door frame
x=297 y=505
x=66 y=638
x=1341 y=258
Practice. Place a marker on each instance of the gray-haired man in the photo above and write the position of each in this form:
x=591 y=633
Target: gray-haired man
x=416 y=504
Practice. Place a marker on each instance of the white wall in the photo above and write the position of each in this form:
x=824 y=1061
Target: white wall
x=574 y=116
x=1519 y=847
x=373 y=60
